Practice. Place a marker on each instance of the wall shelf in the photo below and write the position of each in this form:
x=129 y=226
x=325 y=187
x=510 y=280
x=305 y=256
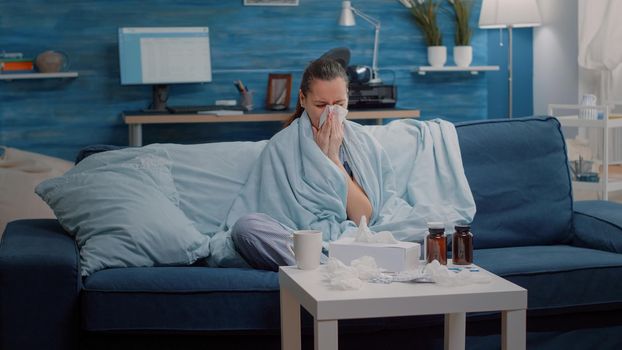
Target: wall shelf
x=422 y=70
x=18 y=76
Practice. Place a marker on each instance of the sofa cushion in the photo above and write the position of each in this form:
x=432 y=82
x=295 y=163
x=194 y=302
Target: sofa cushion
x=180 y=299
x=520 y=181
x=558 y=276
x=202 y=298
x=196 y=299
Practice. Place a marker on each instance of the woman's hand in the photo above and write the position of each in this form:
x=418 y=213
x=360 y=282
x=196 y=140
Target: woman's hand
x=329 y=137
x=336 y=139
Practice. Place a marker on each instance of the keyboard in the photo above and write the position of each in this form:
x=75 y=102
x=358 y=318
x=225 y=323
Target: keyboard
x=206 y=108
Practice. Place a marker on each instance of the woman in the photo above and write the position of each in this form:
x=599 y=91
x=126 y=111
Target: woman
x=261 y=240
x=326 y=176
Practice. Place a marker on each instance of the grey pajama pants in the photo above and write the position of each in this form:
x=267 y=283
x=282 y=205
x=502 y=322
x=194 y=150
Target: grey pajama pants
x=263 y=242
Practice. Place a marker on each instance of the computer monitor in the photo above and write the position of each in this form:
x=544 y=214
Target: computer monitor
x=160 y=56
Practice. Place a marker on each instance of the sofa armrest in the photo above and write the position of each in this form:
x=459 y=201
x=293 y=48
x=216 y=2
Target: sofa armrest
x=598 y=225
x=39 y=286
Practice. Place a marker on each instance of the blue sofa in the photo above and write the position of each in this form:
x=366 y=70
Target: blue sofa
x=527 y=229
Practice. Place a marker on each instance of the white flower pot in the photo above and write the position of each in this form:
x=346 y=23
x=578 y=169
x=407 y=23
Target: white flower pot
x=463 y=55
x=437 y=55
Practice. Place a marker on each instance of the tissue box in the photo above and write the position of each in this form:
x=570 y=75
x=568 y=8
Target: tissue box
x=396 y=257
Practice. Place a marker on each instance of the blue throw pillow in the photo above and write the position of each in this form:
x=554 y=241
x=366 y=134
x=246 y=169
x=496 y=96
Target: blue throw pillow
x=122 y=208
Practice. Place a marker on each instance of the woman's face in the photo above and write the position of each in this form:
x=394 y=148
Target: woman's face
x=321 y=94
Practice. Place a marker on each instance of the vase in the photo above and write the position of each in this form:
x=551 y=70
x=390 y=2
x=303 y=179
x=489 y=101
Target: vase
x=463 y=55
x=437 y=55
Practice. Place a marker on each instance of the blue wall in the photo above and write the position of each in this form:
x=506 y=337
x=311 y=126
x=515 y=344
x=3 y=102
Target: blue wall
x=58 y=117
x=522 y=76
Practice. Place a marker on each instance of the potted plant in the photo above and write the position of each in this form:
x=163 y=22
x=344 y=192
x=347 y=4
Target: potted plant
x=463 y=52
x=424 y=12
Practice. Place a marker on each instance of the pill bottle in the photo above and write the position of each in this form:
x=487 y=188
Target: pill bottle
x=436 y=243
x=462 y=245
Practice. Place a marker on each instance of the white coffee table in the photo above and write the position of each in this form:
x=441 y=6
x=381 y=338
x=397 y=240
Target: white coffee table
x=327 y=306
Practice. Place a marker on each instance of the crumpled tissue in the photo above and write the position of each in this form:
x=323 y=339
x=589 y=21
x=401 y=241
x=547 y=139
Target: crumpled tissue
x=365 y=235
x=441 y=275
x=344 y=277
x=338 y=111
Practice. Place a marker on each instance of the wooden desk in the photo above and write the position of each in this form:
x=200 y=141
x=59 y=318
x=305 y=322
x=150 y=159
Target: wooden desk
x=136 y=120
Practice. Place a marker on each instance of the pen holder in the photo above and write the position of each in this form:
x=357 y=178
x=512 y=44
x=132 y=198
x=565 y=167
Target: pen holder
x=246 y=100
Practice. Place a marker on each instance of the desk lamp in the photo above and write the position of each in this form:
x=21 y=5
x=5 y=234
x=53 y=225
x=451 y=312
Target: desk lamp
x=347 y=19
x=509 y=14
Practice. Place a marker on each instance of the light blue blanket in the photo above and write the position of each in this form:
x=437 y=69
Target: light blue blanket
x=296 y=184
x=173 y=204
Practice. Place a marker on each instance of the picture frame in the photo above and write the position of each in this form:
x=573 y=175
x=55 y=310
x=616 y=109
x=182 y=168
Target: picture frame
x=279 y=91
x=271 y=2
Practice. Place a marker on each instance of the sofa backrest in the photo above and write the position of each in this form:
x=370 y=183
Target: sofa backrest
x=209 y=176
x=517 y=170
x=518 y=173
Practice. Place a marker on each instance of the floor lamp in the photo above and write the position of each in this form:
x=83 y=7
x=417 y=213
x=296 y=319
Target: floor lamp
x=509 y=14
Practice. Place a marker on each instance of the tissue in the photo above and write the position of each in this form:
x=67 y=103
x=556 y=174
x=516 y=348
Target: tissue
x=338 y=112
x=366 y=267
x=365 y=235
x=343 y=277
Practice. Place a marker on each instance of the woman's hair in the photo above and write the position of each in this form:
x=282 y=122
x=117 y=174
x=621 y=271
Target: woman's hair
x=324 y=69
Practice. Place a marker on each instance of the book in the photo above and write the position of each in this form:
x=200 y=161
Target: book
x=16 y=64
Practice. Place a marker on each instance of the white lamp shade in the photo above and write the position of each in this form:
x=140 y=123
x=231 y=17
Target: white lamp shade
x=506 y=13
x=347 y=16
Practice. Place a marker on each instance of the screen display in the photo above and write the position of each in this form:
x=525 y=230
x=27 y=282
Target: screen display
x=164 y=55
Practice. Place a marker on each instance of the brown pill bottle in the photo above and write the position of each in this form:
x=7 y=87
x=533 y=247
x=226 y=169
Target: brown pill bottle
x=462 y=245
x=436 y=243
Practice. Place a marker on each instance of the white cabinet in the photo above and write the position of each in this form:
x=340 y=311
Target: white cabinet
x=604 y=126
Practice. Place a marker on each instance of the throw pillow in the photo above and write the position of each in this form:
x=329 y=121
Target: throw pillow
x=122 y=208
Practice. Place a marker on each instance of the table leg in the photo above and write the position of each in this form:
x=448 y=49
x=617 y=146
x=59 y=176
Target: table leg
x=455 y=331
x=326 y=335
x=135 y=135
x=514 y=330
x=290 y=321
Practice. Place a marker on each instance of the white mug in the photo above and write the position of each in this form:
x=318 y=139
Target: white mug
x=307 y=248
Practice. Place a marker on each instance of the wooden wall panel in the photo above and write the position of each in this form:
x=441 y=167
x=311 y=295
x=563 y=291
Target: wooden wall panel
x=58 y=117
